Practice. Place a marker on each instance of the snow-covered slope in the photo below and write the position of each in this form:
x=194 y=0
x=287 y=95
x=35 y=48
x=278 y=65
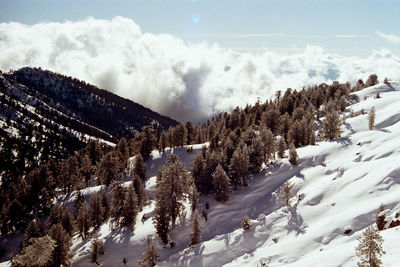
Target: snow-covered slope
x=339 y=186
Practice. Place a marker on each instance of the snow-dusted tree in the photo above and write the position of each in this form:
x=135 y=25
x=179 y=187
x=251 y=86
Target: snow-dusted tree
x=246 y=223
x=286 y=193
x=39 y=253
x=222 y=184
x=150 y=256
x=380 y=220
x=70 y=175
x=332 y=123
x=130 y=208
x=61 y=253
x=371 y=118
x=96 y=210
x=97 y=248
x=370 y=248
x=108 y=169
x=293 y=157
x=196 y=229
x=197 y=169
x=256 y=154
x=161 y=220
x=140 y=167
x=239 y=166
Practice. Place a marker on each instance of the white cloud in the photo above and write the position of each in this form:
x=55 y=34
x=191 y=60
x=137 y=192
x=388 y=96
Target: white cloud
x=184 y=81
x=249 y=35
x=351 y=36
x=389 y=37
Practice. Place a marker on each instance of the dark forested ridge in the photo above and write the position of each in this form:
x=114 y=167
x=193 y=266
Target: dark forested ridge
x=48 y=115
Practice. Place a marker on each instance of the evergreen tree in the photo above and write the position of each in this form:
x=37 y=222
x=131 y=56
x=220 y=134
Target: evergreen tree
x=96 y=210
x=150 y=256
x=221 y=184
x=83 y=220
x=108 y=169
x=380 y=220
x=70 y=175
x=61 y=253
x=35 y=229
x=194 y=197
x=140 y=167
x=39 y=253
x=196 y=229
x=162 y=144
x=371 y=118
x=97 y=247
x=281 y=147
x=86 y=169
x=79 y=200
x=256 y=155
x=331 y=128
x=269 y=142
x=130 y=208
x=238 y=168
x=293 y=158
x=246 y=223
x=105 y=203
x=370 y=248
x=372 y=80
x=139 y=190
x=117 y=202
x=197 y=169
x=68 y=222
x=286 y=193
x=161 y=220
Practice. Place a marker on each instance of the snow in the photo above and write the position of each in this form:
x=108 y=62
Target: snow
x=338 y=186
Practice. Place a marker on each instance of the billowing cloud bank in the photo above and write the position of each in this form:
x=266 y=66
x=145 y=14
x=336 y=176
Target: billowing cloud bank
x=162 y=72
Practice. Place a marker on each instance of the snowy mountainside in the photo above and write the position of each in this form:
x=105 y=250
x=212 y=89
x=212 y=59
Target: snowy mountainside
x=339 y=186
x=49 y=113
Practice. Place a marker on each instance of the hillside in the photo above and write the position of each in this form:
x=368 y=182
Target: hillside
x=45 y=114
x=339 y=185
x=338 y=188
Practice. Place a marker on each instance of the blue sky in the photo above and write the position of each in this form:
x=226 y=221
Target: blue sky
x=341 y=27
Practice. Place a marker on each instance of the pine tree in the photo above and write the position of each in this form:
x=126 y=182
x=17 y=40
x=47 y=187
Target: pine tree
x=117 y=202
x=105 y=203
x=196 y=229
x=281 y=148
x=36 y=228
x=380 y=220
x=78 y=203
x=139 y=190
x=222 y=184
x=286 y=193
x=97 y=247
x=150 y=256
x=161 y=220
x=108 y=169
x=68 y=222
x=293 y=158
x=256 y=154
x=269 y=142
x=96 y=210
x=61 y=253
x=246 y=223
x=38 y=253
x=83 y=220
x=86 y=169
x=370 y=248
x=332 y=123
x=238 y=168
x=371 y=118
x=162 y=144
x=130 y=208
x=193 y=197
x=140 y=167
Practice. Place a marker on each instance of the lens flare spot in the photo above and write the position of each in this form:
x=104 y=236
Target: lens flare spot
x=196 y=18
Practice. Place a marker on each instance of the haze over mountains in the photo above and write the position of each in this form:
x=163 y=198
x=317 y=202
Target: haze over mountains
x=184 y=81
